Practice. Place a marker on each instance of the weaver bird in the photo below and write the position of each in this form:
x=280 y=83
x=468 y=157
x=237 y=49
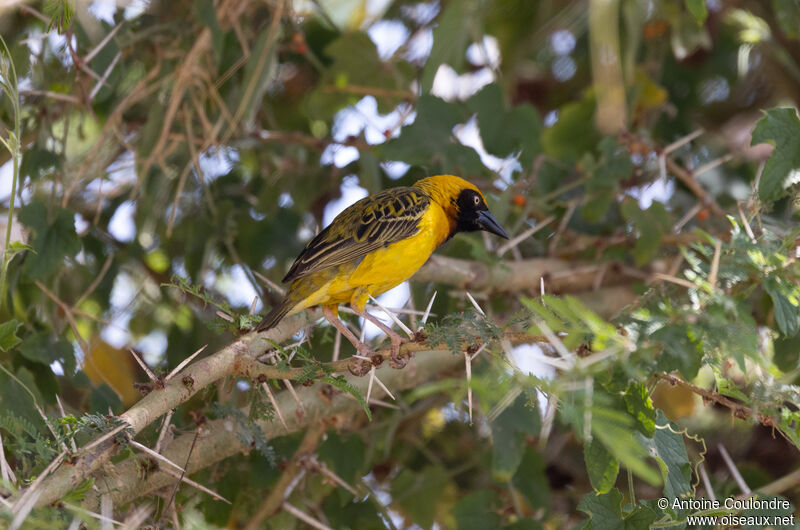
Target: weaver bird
x=376 y=244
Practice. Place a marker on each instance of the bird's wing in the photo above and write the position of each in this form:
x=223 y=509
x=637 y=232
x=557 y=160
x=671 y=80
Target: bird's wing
x=369 y=224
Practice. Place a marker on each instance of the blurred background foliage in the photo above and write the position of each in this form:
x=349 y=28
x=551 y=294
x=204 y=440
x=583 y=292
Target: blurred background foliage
x=174 y=157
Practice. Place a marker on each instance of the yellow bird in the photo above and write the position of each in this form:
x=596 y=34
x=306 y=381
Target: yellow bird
x=376 y=244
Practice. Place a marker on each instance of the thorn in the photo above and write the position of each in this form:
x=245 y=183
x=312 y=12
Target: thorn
x=191 y=482
x=224 y=316
x=478 y=352
x=746 y=224
x=305 y=517
x=337 y=345
x=164 y=429
x=183 y=363
x=24 y=510
x=300 y=408
x=6 y=472
x=269 y=283
x=502 y=249
x=146 y=368
x=50 y=427
x=64 y=415
x=734 y=470
x=106 y=511
x=474 y=303
x=712 y=276
x=371 y=380
x=267 y=391
x=549 y=418
x=428 y=309
x=706 y=482
x=394 y=318
x=541 y=285
x=468 y=363
x=680 y=142
x=253 y=305
x=325 y=470
x=154 y=454
x=380 y=383
x=356 y=356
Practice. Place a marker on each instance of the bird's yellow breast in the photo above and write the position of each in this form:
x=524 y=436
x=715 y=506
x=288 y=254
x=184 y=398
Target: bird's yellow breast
x=379 y=270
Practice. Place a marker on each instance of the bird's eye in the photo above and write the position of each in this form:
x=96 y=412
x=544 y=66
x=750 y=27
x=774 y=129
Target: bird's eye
x=477 y=200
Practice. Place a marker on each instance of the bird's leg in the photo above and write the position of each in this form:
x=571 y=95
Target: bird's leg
x=358 y=368
x=397 y=340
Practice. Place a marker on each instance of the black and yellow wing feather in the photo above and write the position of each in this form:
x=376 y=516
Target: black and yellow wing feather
x=369 y=224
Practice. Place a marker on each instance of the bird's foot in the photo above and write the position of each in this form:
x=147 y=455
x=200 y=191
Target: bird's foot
x=399 y=360
x=361 y=364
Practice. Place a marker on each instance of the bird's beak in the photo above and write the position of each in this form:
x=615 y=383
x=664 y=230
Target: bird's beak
x=487 y=222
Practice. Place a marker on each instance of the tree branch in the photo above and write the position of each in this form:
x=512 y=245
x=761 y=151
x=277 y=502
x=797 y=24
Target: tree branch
x=220 y=438
x=238 y=357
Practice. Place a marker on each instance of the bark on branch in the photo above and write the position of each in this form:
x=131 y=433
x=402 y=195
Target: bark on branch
x=559 y=275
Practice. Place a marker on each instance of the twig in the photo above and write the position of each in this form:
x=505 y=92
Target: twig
x=712 y=276
x=502 y=249
x=706 y=481
x=304 y=517
x=268 y=392
x=737 y=409
x=734 y=470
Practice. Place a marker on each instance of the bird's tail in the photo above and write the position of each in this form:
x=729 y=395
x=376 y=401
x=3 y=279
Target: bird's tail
x=275 y=315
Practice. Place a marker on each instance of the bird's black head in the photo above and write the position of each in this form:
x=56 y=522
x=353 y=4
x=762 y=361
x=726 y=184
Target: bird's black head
x=473 y=214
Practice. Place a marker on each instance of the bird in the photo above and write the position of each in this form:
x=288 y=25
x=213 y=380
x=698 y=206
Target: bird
x=374 y=245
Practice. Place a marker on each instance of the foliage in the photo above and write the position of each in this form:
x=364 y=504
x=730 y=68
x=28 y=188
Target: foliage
x=167 y=161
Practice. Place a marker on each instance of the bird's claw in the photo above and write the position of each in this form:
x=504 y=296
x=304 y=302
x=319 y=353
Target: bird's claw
x=399 y=360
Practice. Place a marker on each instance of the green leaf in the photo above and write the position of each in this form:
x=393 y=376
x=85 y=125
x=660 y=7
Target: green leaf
x=476 y=511
x=531 y=479
x=41 y=348
x=205 y=12
x=787 y=352
x=601 y=465
x=356 y=63
x=574 y=132
x=787 y=14
x=667 y=448
x=430 y=138
x=53 y=241
x=508 y=437
x=605 y=513
x=450 y=38
x=640 y=406
x=786 y=307
x=342 y=384
x=344 y=454
x=698 y=10
x=786 y=514
x=506 y=131
x=651 y=225
x=418 y=494
x=779 y=127
x=39 y=163
x=258 y=73
x=680 y=350
x=616 y=431
x=8 y=334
